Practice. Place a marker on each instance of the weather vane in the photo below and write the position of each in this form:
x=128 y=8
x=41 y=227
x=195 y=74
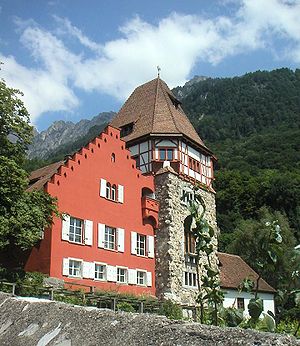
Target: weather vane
x=158 y=71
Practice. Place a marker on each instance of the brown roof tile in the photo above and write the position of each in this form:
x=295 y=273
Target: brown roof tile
x=233 y=270
x=41 y=176
x=154 y=110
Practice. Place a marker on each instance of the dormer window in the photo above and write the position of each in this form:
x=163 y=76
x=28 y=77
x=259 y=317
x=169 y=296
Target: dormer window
x=126 y=129
x=174 y=100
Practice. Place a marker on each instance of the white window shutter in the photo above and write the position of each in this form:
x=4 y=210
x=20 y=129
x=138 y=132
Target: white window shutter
x=150 y=240
x=121 y=239
x=120 y=193
x=65 y=266
x=111 y=273
x=132 y=277
x=88 y=232
x=65 y=227
x=133 y=243
x=86 y=267
x=101 y=234
x=149 y=279
x=92 y=270
x=103 y=188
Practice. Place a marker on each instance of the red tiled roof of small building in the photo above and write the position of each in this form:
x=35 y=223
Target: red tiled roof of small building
x=154 y=110
x=41 y=176
x=233 y=270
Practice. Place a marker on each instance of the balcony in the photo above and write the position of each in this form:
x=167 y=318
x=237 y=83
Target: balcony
x=150 y=208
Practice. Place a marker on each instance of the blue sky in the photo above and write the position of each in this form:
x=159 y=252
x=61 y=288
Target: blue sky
x=76 y=58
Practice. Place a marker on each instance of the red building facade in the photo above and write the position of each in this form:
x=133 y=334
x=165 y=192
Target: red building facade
x=106 y=236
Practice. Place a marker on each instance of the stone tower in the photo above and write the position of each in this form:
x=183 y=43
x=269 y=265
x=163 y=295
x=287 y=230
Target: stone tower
x=164 y=143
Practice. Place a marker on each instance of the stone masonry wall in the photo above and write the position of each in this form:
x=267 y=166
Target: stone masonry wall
x=170 y=259
x=28 y=321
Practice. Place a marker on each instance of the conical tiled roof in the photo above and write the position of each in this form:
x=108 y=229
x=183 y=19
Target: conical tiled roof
x=154 y=110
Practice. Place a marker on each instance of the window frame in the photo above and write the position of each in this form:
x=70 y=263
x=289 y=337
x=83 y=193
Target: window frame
x=74 y=227
x=190 y=280
x=138 y=244
x=125 y=275
x=80 y=267
x=107 y=241
x=166 y=151
x=144 y=277
x=104 y=271
x=240 y=303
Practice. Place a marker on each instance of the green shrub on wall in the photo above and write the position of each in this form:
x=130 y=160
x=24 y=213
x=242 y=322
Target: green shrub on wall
x=171 y=310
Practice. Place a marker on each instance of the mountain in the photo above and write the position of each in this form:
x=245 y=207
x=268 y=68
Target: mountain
x=252 y=124
x=63 y=134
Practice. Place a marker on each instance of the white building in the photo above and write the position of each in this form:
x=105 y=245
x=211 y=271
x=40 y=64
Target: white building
x=233 y=270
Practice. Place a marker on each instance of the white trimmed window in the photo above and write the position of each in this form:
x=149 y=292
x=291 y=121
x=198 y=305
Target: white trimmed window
x=111 y=192
x=141 y=244
x=100 y=271
x=76 y=230
x=75 y=268
x=110 y=238
x=190 y=279
x=141 y=278
x=122 y=275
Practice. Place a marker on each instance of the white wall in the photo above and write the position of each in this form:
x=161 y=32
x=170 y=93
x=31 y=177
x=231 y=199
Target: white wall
x=231 y=295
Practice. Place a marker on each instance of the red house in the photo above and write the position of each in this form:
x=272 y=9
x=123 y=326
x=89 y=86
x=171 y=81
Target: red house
x=106 y=237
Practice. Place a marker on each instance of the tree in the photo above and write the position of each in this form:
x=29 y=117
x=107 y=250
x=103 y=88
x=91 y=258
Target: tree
x=23 y=215
x=255 y=233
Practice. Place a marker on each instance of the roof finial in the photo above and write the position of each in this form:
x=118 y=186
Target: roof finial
x=158 y=71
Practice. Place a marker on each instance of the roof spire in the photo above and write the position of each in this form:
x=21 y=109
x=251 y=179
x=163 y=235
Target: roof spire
x=158 y=71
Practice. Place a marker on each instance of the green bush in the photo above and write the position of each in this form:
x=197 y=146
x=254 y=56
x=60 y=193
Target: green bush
x=288 y=327
x=171 y=310
x=232 y=317
x=124 y=306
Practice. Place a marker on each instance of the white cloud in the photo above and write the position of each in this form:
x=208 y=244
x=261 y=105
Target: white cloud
x=177 y=43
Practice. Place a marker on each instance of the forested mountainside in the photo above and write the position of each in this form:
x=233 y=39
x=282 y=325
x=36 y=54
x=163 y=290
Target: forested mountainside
x=252 y=125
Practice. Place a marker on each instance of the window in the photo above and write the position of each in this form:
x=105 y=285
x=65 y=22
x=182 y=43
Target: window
x=75 y=268
x=100 y=271
x=110 y=238
x=241 y=303
x=108 y=188
x=194 y=165
x=189 y=242
x=126 y=129
x=76 y=230
x=187 y=196
x=166 y=154
x=113 y=157
x=140 y=244
x=121 y=275
x=114 y=193
x=190 y=279
x=141 y=278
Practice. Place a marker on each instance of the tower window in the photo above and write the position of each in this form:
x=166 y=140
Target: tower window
x=166 y=154
x=189 y=243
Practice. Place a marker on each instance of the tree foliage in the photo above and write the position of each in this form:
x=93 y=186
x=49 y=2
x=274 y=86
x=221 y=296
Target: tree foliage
x=23 y=215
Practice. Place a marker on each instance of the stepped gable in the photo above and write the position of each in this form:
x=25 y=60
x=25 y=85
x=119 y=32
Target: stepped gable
x=154 y=110
x=41 y=176
x=233 y=270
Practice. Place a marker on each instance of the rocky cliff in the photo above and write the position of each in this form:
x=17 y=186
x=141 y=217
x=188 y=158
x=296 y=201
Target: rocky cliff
x=29 y=321
x=62 y=132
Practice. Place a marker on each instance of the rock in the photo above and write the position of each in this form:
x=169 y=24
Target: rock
x=69 y=325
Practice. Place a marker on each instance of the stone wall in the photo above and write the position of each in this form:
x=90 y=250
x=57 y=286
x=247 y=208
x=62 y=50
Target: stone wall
x=170 y=257
x=26 y=322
